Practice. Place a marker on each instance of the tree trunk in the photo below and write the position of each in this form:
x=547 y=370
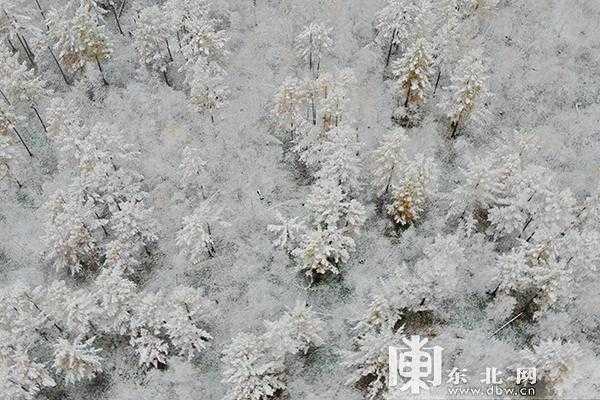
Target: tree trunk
x=122 y=8
x=22 y=142
x=389 y=54
x=40 y=118
x=114 y=10
x=166 y=78
x=12 y=46
x=101 y=71
x=4 y=96
x=27 y=47
x=29 y=57
x=453 y=127
x=437 y=80
x=169 y=49
x=58 y=65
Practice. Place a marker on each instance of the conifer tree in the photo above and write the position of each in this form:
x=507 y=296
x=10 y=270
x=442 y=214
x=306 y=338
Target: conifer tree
x=151 y=39
x=77 y=360
x=467 y=92
x=412 y=74
x=312 y=44
x=79 y=36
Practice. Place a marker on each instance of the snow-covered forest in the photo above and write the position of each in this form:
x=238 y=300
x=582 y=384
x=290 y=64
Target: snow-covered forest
x=254 y=199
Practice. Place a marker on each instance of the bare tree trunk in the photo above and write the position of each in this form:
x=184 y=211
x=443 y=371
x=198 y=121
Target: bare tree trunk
x=169 y=49
x=12 y=46
x=22 y=142
x=29 y=56
x=122 y=8
x=389 y=54
x=117 y=20
x=40 y=118
x=453 y=128
x=166 y=78
x=5 y=98
x=101 y=71
x=58 y=65
x=437 y=80
x=27 y=47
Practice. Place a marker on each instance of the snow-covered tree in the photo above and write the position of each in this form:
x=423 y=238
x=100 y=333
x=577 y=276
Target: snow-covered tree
x=23 y=378
x=80 y=36
x=467 y=93
x=323 y=250
x=447 y=38
x=19 y=84
x=412 y=73
x=368 y=361
x=288 y=110
x=405 y=182
x=193 y=168
x=312 y=44
x=133 y=225
x=208 y=89
x=251 y=370
x=196 y=236
x=287 y=232
x=295 y=331
x=338 y=159
x=393 y=24
x=203 y=41
x=534 y=269
x=151 y=39
x=332 y=97
x=78 y=360
x=554 y=360
x=114 y=296
x=152 y=350
x=186 y=307
x=69 y=237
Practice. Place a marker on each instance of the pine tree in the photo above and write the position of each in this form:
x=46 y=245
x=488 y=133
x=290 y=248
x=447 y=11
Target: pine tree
x=339 y=161
x=69 y=236
x=467 y=91
x=193 y=168
x=196 y=236
x=208 y=89
x=23 y=378
x=312 y=44
x=202 y=42
x=448 y=38
x=133 y=225
x=295 y=331
x=289 y=104
x=152 y=350
x=186 y=307
x=412 y=73
x=19 y=85
x=80 y=37
x=114 y=296
x=78 y=360
x=393 y=23
x=151 y=39
x=251 y=370
x=288 y=232
x=403 y=182
x=369 y=360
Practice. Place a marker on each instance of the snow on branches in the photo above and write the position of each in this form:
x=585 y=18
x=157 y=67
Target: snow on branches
x=254 y=365
x=312 y=44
